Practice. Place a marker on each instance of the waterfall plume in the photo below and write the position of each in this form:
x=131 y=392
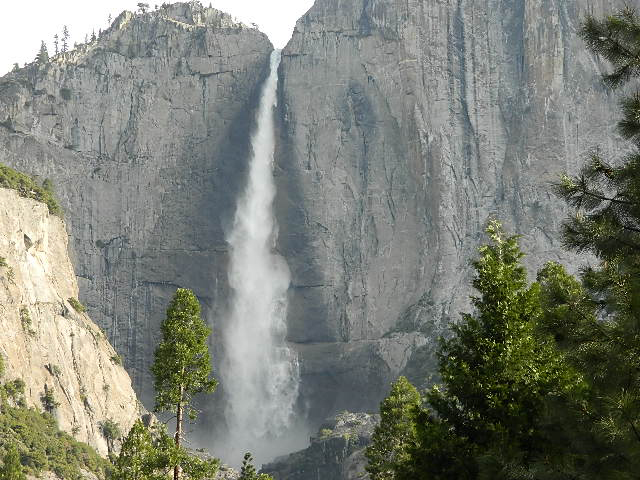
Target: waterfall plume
x=260 y=372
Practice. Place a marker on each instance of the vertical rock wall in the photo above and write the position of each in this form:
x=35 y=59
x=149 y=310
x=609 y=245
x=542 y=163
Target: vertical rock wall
x=405 y=126
x=144 y=133
x=44 y=341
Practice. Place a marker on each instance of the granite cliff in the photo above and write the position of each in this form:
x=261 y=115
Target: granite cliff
x=46 y=342
x=405 y=126
x=144 y=135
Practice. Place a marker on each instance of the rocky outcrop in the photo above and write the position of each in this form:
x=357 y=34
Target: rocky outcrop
x=45 y=341
x=335 y=453
x=144 y=133
x=405 y=126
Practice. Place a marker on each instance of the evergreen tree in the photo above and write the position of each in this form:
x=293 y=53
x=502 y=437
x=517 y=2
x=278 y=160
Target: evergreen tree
x=48 y=400
x=56 y=44
x=182 y=364
x=11 y=468
x=93 y=36
x=15 y=68
x=111 y=432
x=396 y=433
x=43 y=54
x=248 y=471
x=65 y=39
x=488 y=420
x=137 y=457
x=603 y=341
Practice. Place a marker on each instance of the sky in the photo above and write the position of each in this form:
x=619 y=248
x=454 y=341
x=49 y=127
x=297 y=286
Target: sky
x=24 y=23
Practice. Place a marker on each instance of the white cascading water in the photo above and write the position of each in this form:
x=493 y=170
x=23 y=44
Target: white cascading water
x=260 y=373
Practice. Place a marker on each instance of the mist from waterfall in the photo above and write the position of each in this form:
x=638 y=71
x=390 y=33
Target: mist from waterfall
x=260 y=373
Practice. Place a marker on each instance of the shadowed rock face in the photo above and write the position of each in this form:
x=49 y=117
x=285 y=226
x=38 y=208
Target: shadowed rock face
x=144 y=134
x=405 y=126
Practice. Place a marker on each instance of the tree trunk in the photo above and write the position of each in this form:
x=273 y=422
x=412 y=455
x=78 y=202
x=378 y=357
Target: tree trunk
x=176 y=470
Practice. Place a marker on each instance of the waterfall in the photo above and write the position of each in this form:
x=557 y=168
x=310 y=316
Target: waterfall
x=260 y=373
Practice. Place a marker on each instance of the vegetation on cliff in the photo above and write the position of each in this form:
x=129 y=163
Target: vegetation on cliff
x=31 y=443
x=29 y=188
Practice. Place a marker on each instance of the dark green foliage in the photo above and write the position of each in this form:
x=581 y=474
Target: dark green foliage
x=182 y=363
x=27 y=187
x=43 y=54
x=48 y=400
x=616 y=39
x=43 y=447
x=396 y=433
x=111 y=432
x=11 y=467
x=597 y=323
x=150 y=455
x=248 y=471
x=117 y=359
x=136 y=458
x=489 y=418
x=603 y=426
x=77 y=306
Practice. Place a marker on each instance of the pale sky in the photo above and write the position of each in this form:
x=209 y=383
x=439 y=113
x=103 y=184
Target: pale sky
x=24 y=23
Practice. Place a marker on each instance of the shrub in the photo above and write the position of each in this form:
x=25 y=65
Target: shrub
x=25 y=319
x=27 y=187
x=117 y=359
x=77 y=306
x=43 y=447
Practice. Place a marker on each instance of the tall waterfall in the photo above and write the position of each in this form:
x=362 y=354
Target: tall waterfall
x=260 y=373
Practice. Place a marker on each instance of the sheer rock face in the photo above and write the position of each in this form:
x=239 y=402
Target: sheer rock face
x=405 y=126
x=45 y=342
x=144 y=133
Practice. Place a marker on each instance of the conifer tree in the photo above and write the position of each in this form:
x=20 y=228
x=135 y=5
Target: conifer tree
x=43 y=54
x=65 y=39
x=56 y=44
x=605 y=198
x=136 y=460
x=182 y=364
x=396 y=433
x=487 y=420
x=11 y=468
x=248 y=471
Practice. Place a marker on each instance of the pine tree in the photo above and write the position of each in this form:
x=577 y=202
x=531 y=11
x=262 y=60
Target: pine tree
x=248 y=471
x=396 y=433
x=11 y=468
x=605 y=197
x=48 y=400
x=489 y=417
x=56 y=44
x=182 y=362
x=111 y=432
x=65 y=39
x=43 y=54
x=137 y=457
x=15 y=68
x=93 y=36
